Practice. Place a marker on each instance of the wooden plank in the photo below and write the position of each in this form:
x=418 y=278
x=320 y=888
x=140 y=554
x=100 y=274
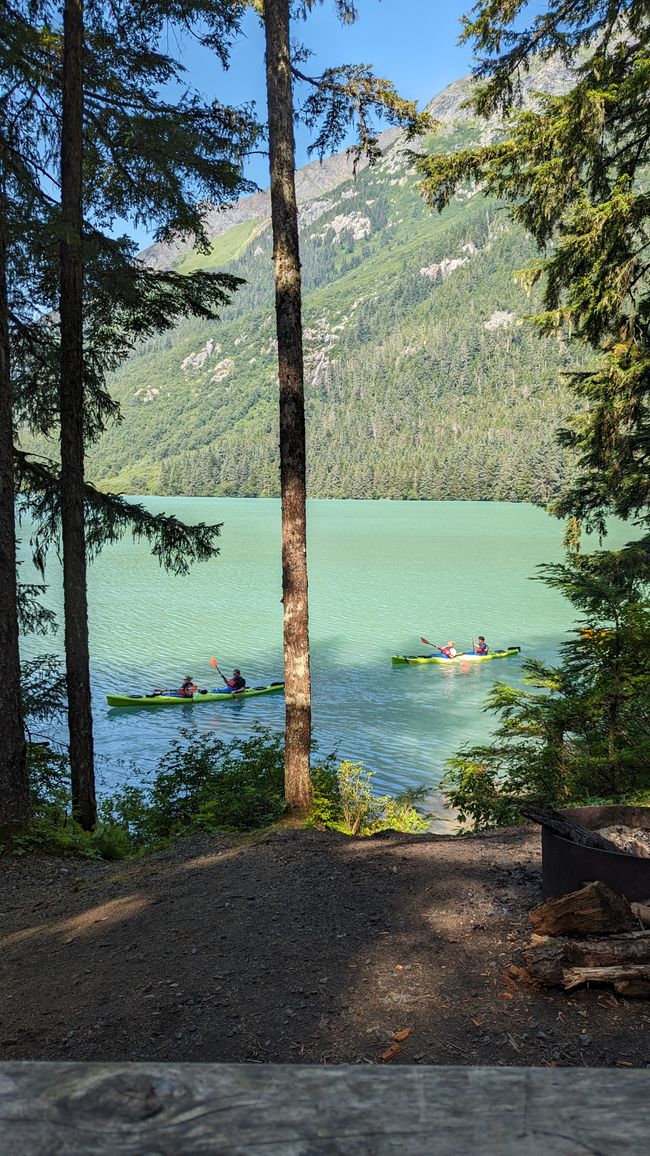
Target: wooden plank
x=289 y=1110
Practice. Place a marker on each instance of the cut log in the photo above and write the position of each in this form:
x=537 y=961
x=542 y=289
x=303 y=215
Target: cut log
x=568 y=829
x=548 y=962
x=574 y=976
x=593 y=910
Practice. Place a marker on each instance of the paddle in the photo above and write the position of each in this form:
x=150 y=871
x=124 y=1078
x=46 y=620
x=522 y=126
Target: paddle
x=215 y=664
x=433 y=644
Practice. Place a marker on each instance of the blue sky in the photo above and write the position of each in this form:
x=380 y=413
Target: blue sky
x=414 y=43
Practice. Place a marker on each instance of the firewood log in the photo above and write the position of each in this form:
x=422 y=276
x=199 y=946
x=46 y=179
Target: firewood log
x=593 y=910
x=574 y=976
x=548 y=962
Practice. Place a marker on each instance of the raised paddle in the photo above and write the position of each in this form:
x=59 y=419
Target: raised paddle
x=215 y=664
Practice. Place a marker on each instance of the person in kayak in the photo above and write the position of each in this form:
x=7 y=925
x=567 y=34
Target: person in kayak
x=449 y=650
x=187 y=687
x=482 y=646
x=236 y=682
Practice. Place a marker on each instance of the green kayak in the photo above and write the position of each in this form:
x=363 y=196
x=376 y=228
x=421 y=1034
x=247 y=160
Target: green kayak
x=180 y=700
x=466 y=656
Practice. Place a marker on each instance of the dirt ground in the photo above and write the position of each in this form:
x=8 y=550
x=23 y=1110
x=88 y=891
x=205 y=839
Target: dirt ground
x=300 y=946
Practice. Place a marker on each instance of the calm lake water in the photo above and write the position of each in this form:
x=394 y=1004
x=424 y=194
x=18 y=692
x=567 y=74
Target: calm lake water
x=381 y=574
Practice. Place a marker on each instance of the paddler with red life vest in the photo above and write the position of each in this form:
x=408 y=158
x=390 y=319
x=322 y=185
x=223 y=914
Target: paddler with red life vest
x=187 y=687
x=482 y=646
x=449 y=650
x=235 y=683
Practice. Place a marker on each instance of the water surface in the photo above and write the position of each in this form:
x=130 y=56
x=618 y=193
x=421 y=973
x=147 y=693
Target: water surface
x=381 y=574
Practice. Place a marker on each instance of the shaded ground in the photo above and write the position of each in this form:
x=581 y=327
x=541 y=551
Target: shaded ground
x=303 y=946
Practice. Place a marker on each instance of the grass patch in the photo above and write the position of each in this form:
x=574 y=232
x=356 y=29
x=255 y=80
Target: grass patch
x=224 y=249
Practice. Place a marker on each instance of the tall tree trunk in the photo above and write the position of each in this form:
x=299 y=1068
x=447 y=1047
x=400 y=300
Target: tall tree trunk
x=14 y=786
x=71 y=403
x=286 y=257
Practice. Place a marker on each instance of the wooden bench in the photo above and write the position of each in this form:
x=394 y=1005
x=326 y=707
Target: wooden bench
x=65 y=1109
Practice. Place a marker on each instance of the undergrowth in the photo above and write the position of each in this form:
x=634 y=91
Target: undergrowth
x=203 y=783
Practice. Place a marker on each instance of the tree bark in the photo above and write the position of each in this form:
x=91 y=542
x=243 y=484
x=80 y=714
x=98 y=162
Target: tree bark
x=548 y=962
x=14 y=784
x=71 y=403
x=593 y=910
x=286 y=258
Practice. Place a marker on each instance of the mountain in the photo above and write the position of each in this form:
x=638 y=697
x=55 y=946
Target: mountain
x=422 y=379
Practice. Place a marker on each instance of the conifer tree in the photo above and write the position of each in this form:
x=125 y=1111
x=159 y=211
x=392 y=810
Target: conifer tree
x=14 y=788
x=573 y=169
x=338 y=97
x=127 y=132
x=71 y=413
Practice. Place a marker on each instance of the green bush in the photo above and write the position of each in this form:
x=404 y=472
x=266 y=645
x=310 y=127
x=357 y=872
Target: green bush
x=55 y=833
x=52 y=830
x=204 y=783
x=343 y=801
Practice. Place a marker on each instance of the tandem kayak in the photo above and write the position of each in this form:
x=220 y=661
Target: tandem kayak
x=182 y=700
x=466 y=656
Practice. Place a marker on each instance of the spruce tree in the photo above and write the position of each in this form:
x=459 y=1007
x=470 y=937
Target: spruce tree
x=574 y=171
x=14 y=787
x=71 y=413
x=338 y=97
x=123 y=150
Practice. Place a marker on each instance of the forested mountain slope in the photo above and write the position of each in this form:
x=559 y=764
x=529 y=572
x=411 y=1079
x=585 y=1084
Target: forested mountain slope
x=422 y=381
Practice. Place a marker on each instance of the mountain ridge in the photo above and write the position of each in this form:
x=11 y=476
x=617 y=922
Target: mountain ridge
x=422 y=379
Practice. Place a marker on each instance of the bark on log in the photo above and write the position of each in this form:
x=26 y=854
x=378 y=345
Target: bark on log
x=593 y=910
x=568 y=829
x=547 y=963
x=574 y=976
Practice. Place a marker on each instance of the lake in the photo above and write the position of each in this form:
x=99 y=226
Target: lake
x=381 y=574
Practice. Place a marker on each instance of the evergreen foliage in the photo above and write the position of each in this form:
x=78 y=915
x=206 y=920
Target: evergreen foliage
x=86 y=136
x=574 y=171
x=582 y=733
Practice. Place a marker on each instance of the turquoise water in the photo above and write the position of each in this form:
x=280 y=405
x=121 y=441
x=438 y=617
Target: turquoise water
x=381 y=574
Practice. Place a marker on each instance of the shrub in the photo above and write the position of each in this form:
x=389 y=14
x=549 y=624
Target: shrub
x=204 y=783
x=343 y=801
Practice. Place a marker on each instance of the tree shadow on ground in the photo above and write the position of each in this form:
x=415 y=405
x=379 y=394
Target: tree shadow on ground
x=298 y=946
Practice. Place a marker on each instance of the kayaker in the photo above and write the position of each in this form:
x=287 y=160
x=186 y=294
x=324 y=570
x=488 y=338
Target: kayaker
x=187 y=687
x=236 y=682
x=449 y=650
x=482 y=646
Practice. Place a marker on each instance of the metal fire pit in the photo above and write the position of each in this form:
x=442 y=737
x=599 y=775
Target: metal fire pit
x=567 y=866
